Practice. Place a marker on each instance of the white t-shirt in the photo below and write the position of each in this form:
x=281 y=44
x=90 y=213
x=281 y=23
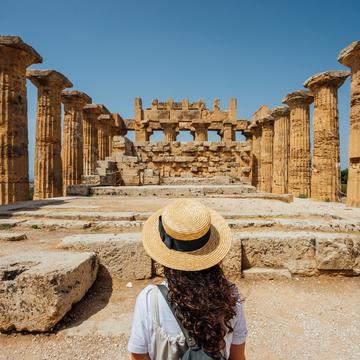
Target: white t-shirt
x=142 y=339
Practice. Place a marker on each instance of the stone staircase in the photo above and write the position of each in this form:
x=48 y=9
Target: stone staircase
x=289 y=240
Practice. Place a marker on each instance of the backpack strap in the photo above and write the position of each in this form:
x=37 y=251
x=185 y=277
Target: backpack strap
x=190 y=341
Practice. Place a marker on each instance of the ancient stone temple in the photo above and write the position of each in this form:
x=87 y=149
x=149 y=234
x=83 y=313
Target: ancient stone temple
x=299 y=155
x=15 y=57
x=72 y=148
x=325 y=172
x=47 y=163
x=350 y=56
x=281 y=117
x=172 y=117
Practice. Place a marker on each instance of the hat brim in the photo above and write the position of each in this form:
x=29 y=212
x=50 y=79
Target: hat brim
x=209 y=255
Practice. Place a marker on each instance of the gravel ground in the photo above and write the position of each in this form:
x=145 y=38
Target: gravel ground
x=305 y=318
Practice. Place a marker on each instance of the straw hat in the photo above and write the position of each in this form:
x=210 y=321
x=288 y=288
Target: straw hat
x=186 y=235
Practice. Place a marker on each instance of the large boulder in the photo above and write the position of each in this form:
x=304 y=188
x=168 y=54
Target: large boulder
x=122 y=254
x=38 y=289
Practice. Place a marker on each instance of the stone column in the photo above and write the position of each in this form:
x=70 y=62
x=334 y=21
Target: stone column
x=90 y=137
x=170 y=129
x=104 y=128
x=266 y=158
x=201 y=129
x=325 y=171
x=281 y=117
x=255 y=155
x=350 y=56
x=140 y=127
x=72 y=147
x=299 y=156
x=15 y=57
x=47 y=162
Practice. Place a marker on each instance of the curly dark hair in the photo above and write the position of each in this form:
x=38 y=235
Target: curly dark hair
x=205 y=302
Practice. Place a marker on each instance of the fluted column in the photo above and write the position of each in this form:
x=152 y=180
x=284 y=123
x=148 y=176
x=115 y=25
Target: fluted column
x=256 y=155
x=104 y=128
x=266 y=157
x=325 y=170
x=281 y=117
x=90 y=137
x=299 y=156
x=350 y=56
x=72 y=147
x=15 y=57
x=47 y=163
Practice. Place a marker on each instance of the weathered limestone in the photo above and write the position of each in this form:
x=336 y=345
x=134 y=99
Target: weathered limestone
x=140 y=128
x=281 y=117
x=104 y=126
x=255 y=155
x=38 y=288
x=299 y=156
x=170 y=129
x=123 y=254
x=350 y=56
x=47 y=163
x=325 y=172
x=90 y=137
x=72 y=148
x=15 y=57
x=267 y=136
x=201 y=129
x=229 y=124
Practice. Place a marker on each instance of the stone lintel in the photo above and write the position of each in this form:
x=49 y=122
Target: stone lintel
x=299 y=96
x=280 y=111
x=17 y=43
x=106 y=119
x=48 y=78
x=75 y=96
x=201 y=122
x=268 y=119
x=350 y=54
x=96 y=109
x=328 y=78
x=164 y=122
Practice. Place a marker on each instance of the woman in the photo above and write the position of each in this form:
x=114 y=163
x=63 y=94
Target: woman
x=189 y=240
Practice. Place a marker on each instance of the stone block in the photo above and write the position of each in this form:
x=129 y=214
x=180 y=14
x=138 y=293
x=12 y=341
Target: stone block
x=231 y=264
x=38 y=289
x=266 y=274
x=275 y=249
x=12 y=236
x=78 y=190
x=122 y=254
x=337 y=252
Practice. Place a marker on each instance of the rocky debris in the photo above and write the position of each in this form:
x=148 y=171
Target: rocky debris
x=12 y=236
x=38 y=288
x=122 y=254
x=257 y=273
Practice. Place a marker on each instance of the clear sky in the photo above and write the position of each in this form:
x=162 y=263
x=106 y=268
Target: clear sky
x=256 y=51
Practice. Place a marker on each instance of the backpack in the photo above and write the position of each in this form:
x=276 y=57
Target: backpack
x=194 y=352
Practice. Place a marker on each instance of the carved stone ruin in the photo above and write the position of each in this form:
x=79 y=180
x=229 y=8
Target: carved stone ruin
x=325 y=172
x=47 y=163
x=299 y=157
x=72 y=148
x=350 y=56
x=15 y=57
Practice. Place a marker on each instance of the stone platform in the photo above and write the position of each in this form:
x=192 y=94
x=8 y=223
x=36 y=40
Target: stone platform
x=303 y=237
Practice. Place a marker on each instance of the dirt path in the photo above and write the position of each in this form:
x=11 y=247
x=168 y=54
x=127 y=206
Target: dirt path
x=305 y=318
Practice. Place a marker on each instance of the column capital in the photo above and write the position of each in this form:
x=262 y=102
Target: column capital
x=350 y=55
x=8 y=42
x=280 y=111
x=298 y=97
x=96 y=109
x=75 y=96
x=48 y=78
x=327 y=79
x=106 y=119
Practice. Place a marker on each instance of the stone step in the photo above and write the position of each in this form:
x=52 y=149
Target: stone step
x=257 y=273
x=303 y=253
x=125 y=220
x=12 y=236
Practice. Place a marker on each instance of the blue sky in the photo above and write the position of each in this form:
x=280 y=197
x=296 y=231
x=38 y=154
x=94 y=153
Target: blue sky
x=256 y=51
